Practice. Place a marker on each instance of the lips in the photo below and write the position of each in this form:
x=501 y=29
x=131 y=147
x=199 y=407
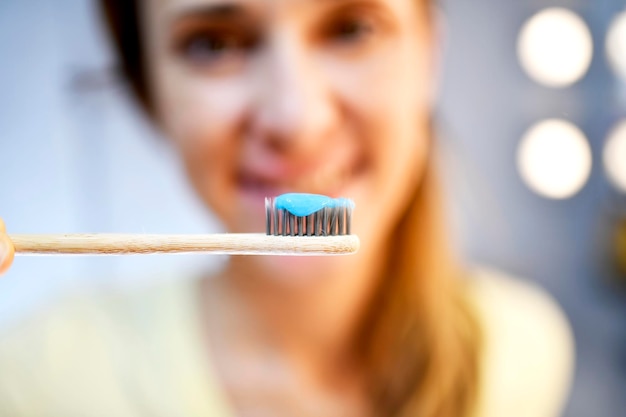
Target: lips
x=327 y=180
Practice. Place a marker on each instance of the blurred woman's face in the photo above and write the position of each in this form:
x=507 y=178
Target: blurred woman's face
x=264 y=97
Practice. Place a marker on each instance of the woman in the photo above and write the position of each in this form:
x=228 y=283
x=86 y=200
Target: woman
x=262 y=97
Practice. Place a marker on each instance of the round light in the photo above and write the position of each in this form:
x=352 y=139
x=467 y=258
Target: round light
x=616 y=44
x=614 y=156
x=554 y=159
x=555 y=47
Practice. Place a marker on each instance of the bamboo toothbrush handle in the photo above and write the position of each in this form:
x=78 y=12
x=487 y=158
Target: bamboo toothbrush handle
x=227 y=243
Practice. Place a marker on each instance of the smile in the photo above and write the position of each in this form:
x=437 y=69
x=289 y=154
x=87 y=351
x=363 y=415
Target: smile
x=330 y=181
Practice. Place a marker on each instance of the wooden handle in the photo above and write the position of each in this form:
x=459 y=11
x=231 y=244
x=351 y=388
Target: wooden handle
x=224 y=244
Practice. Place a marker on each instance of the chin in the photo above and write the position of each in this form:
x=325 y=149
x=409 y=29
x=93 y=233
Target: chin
x=302 y=271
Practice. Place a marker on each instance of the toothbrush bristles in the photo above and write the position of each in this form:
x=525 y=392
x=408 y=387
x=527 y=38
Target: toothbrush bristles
x=328 y=221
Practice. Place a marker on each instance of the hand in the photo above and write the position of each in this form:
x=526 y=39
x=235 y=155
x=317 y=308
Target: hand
x=7 y=251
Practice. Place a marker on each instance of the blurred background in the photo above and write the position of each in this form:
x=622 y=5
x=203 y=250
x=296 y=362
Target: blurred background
x=532 y=122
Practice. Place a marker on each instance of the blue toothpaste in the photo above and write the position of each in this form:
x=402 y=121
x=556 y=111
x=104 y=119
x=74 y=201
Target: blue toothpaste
x=303 y=204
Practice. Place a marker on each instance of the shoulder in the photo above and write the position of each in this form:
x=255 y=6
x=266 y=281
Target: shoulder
x=77 y=352
x=528 y=353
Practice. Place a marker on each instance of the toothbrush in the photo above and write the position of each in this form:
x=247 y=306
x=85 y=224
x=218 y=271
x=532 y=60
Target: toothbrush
x=296 y=224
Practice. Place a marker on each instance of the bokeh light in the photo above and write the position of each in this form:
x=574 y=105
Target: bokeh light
x=554 y=158
x=555 y=47
x=614 y=156
x=616 y=44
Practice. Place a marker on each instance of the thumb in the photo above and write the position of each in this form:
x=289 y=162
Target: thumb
x=7 y=251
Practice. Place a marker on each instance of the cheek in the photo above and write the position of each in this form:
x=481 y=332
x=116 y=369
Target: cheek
x=196 y=112
x=203 y=119
x=392 y=117
x=394 y=112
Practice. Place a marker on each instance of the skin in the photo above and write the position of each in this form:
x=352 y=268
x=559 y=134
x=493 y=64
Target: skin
x=262 y=97
x=304 y=109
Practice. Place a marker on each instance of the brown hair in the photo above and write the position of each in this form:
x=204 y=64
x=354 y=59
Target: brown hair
x=419 y=342
x=122 y=18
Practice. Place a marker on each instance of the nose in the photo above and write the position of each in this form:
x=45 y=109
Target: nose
x=295 y=110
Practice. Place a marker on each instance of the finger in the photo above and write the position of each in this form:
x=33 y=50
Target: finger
x=7 y=251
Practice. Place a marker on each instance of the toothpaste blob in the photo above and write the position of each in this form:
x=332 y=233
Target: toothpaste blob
x=295 y=214
x=303 y=204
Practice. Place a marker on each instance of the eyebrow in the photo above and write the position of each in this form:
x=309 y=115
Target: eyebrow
x=235 y=10
x=225 y=10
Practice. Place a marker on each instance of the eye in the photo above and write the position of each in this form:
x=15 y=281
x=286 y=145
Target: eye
x=212 y=48
x=351 y=29
x=354 y=27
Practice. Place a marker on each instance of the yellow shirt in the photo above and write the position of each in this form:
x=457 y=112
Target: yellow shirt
x=142 y=355
x=137 y=355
